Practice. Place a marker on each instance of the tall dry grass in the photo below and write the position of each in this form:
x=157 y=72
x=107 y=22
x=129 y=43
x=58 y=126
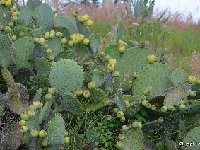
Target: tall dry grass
x=195 y=64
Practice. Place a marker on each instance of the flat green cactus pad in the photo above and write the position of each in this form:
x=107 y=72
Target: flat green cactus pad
x=178 y=76
x=97 y=100
x=6 y=51
x=192 y=136
x=24 y=53
x=133 y=140
x=26 y=16
x=44 y=16
x=68 y=23
x=56 y=130
x=155 y=76
x=66 y=76
x=55 y=45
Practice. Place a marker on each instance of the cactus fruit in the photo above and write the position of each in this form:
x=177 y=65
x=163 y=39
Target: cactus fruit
x=66 y=140
x=24 y=117
x=151 y=59
x=91 y=85
x=191 y=79
x=121 y=49
x=34 y=133
x=48 y=97
x=24 y=128
x=89 y=23
x=22 y=122
x=45 y=143
x=31 y=113
x=42 y=134
x=86 y=42
x=120 y=114
x=110 y=67
x=86 y=94
x=164 y=109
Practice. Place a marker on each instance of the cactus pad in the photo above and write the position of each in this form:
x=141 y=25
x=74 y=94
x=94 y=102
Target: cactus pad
x=98 y=77
x=112 y=51
x=155 y=76
x=43 y=67
x=192 y=136
x=97 y=100
x=44 y=16
x=82 y=29
x=133 y=60
x=95 y=42
x=119 y=100
x=70 y=104
x=66 y=75
x=178 y=76
x=25 y=16
x=24 y=52
x=55 y=45
x=68 y=23
x=133 y=140
x=6 y=51
x=176 y=96
x=17 y=94
x=56 y=130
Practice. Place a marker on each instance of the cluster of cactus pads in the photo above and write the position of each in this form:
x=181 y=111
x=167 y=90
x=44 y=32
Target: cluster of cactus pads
x=80 y=78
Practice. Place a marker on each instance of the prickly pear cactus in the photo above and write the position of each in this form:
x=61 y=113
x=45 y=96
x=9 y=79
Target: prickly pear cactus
x=95 y=42
x=25 y=17
x=119 y=100
x=98 y=77
x=55 y=45
x=178 y=76
x=43 y=67
x=33 y=4
x=82 y=28
x=192 y=136
x=177 y=95
x=155 y=76
x=97 y=100
x=44 y=16
x=6 y=50
x=133 y=60
x=68 y=23
x=66 y=76
x=70 y=104
x=56 y=131
x=24 y=53
x=133 y=139
x=139 y=8
x=17 y=95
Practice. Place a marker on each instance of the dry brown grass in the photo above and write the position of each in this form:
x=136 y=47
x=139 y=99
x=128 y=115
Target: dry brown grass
x=195 y=64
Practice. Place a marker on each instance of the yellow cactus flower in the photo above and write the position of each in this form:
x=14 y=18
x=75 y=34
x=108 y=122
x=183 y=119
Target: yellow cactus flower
x=112 y=61
x=120 y=114
x=110 y=67
x=89 y=23
x=8 y=3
